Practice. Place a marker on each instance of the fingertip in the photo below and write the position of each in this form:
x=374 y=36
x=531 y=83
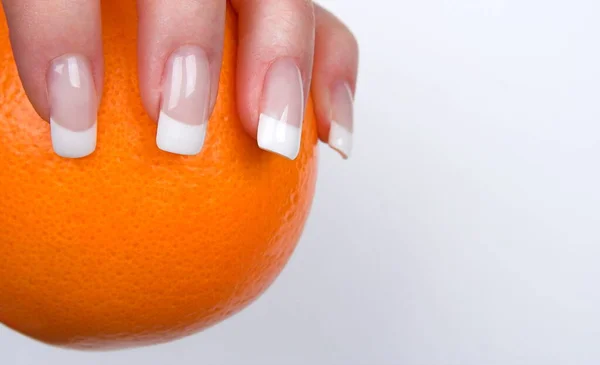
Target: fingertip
x=274 y=71
x=334 y=82
x=61 y=69
x=180 y=53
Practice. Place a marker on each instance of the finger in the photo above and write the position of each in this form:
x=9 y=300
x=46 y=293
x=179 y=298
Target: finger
x=334 y=81
x=274 y=68
x=180 y=50
x=58 y=51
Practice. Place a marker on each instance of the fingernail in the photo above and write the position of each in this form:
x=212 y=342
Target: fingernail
x=342 y=120
x=73 y=106
x=282 y=110
x=184 y=102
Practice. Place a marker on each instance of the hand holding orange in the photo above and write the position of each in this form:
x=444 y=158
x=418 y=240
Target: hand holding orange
x=132 y=245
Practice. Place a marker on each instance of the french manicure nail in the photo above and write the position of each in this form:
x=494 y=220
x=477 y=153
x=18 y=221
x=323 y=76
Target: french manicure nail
x=282 y=110
x=342 y=120
x=73 y=106
x=184 y=104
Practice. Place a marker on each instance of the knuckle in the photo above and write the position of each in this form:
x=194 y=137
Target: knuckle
x=342 y=37
x=351 y=41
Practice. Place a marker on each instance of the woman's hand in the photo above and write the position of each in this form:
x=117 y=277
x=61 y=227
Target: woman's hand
x=286 y=48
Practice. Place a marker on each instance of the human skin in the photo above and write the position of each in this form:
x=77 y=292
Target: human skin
x=287 y=48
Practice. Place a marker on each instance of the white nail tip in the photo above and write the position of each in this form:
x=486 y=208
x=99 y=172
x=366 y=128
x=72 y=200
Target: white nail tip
x=179 y=138
x=278 y=137
x=72 y=144
x=340 y=139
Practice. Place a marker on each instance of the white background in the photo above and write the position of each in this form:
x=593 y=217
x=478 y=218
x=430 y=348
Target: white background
x=466 y=227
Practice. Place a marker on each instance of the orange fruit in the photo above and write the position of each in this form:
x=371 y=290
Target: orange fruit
x=133 y=246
